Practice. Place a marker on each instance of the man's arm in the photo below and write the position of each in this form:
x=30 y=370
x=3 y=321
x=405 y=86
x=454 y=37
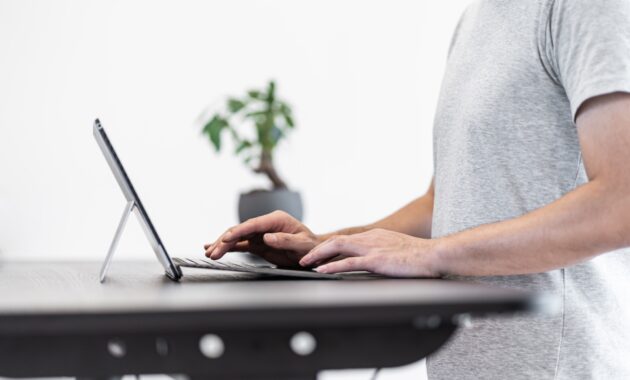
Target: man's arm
x=283 y=240
x=413 y=219
x=592 y=219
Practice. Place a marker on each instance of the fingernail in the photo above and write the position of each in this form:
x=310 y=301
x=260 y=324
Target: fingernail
x=271 y=238
x=321 y=269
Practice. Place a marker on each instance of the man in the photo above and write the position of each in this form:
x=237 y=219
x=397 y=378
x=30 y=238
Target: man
x=531 y=190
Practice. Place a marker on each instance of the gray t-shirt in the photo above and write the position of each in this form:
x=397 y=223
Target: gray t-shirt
x=505 y=143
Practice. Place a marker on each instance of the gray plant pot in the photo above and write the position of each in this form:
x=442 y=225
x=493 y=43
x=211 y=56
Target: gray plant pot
x=261 y=202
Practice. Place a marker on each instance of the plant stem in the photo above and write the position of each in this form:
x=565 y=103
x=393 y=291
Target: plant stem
x=266 y=167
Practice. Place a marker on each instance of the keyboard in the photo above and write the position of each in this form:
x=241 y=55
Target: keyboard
x=263 y=269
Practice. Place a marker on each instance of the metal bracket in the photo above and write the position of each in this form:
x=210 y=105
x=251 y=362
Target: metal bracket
x=112 y=247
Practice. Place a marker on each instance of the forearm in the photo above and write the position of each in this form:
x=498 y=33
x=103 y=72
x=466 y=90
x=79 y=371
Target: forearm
x=584 y=223
x=413 y=219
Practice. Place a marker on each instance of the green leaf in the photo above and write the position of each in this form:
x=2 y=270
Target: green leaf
x=255 y=94
x=271 y=117
x=256 y=114
x=235 y=105
x=242 y=146
x=233 y=133
x=287 y=114
x=213 y=129
x=289 y=121
x=285 y=109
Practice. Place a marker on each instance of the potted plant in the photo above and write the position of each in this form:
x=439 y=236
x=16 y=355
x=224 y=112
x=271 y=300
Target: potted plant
x=271 y=120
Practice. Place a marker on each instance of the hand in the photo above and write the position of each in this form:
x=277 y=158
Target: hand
x=379 y=251
x=276 y=237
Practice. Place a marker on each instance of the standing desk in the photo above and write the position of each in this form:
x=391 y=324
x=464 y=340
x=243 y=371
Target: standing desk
x=56 y=319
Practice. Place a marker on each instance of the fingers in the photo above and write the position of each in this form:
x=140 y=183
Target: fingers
x=253 y=245
x=220 y=247
x=274 y=221
x=209 y=248
x=329 y=260
x=345 y=245
x=289 y=242
x=243 y=246
x=346 y=265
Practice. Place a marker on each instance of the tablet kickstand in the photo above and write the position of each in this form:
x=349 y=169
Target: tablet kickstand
x=112 y=247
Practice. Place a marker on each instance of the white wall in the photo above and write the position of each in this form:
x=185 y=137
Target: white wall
x=363 y=77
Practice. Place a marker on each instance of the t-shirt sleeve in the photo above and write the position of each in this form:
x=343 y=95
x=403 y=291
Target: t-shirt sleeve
x=588 y=44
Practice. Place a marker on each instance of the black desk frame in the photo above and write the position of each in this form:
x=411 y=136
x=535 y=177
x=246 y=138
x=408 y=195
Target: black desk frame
x=263 y=353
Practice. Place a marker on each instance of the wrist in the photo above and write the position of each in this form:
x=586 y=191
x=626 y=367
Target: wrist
x=438 y=256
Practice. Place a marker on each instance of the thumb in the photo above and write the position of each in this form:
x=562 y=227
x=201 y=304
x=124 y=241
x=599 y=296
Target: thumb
x=291 y=242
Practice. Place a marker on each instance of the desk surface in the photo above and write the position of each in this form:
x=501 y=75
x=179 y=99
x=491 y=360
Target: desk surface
x=34 y=289
x=58 y=315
